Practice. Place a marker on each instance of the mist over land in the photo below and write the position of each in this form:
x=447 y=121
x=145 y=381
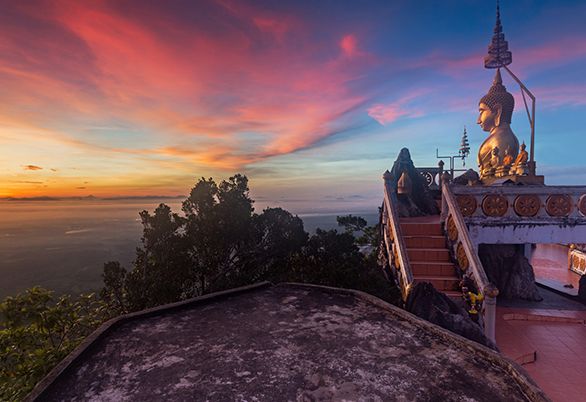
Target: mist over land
x=63 y=244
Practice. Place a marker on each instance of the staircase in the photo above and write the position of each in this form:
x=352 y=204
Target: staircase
x=428 y=254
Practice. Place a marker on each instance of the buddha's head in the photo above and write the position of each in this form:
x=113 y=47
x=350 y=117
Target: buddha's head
x=496 y=107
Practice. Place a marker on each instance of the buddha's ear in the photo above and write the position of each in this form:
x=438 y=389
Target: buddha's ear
x=498 y=109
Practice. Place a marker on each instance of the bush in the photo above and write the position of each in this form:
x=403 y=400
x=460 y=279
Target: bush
x=37 y=331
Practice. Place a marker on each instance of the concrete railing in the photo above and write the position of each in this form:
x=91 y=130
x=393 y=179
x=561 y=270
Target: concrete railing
x=393 y=238
x=523 y=214
x=521 y=204
x=466 y=255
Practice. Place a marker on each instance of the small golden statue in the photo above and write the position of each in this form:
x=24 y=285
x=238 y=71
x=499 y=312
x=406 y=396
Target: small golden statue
x=505 y=168
x=520 y=167
x=507 y=159
x=496 y=111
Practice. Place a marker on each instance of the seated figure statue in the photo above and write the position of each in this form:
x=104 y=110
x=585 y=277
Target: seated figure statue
x=505 y=168
x=520 y=167
x=496 y=110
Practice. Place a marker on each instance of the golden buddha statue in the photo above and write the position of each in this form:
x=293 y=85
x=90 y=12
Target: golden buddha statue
x=496 y=110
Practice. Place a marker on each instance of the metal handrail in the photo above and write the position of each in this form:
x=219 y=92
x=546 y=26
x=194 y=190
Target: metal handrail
x=404 y=265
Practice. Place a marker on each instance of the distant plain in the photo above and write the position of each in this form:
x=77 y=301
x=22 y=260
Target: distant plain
x=62 y=245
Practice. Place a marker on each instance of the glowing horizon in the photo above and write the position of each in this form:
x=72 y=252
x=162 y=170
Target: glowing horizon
x=107 y=98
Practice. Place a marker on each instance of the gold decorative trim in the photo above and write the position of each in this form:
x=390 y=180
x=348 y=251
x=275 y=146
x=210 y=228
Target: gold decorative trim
x=467 y=204
x=558 y=205
x=452 y=229
x=495 y=205
x=461 y=257
x=527 y=205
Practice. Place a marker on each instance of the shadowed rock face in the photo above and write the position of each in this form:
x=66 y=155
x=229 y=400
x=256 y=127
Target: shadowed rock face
x=433 y=306
x=582 y=289
x=281 y=343
x=469 y=176
x=507 y=267
x=420 y=202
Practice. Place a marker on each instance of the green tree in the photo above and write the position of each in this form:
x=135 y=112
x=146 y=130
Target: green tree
x=356 y=225
x=220 y=243
x=333 y=259
x=277 y=237
x=218 y=229
x=37 y=331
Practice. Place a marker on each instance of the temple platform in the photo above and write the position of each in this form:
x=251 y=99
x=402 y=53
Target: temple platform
x=547 y=339
x=550 y=264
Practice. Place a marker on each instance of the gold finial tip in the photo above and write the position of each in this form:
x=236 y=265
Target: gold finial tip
x=497 y=77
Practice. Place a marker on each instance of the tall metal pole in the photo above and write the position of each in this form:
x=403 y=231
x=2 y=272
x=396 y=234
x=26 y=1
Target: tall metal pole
x=531 y=118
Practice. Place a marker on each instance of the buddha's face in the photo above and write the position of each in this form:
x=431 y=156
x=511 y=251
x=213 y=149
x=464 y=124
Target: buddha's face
x=486 y=117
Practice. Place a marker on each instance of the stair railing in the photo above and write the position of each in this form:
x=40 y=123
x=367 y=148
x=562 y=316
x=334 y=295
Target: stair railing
x=466 y=254
x=393 y=238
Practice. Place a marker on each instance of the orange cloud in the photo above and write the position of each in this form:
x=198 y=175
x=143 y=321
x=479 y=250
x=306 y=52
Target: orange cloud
x=32 y=167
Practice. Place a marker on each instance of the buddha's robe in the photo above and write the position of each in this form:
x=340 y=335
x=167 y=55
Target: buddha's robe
x=501 y=137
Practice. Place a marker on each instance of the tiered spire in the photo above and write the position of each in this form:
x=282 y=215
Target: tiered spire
x=498 y=49
x=464 y=147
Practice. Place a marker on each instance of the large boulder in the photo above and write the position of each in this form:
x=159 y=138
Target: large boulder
x=507 y=267
x=420 y=201
x=426 y=302
x=468 y=177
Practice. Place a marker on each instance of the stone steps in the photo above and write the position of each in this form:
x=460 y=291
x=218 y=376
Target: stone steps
x=441 y=283
x=422 y=241
x=428 y=255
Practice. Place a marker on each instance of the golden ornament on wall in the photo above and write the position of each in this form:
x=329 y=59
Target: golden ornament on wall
x=558 y=205
x=467 y=204
x=461 y=257
x=582 y=264
x=575 y=261
x=495 y=205
x=527 y=205
x=452 y=229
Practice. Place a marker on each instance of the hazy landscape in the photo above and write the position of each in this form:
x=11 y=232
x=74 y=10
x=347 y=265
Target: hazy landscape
x=62 y=245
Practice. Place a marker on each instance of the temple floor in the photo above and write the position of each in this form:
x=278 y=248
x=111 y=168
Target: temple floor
x=548 y=339
x=550 y=264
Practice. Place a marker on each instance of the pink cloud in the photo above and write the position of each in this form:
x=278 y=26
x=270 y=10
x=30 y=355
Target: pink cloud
x=349 y=45
x=388 y=113
x=174 y=78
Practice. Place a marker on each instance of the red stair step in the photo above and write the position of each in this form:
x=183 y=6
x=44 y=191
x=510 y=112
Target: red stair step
x=441 y=283
x=425 y=268
x=428 y=254
x=425 y=241
x=419 y=229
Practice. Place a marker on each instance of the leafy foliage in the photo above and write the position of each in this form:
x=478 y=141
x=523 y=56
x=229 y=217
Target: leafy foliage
x=369 y=235
x=220 y=242
x=37 y=331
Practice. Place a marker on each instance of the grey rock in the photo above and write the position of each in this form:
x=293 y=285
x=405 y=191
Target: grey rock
x=582 y=289
x=507 y=267
x=420 y=202
x=468 y=177
x=426 y=302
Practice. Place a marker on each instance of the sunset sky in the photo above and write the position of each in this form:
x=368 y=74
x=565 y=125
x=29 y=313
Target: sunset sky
x=311 y=99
